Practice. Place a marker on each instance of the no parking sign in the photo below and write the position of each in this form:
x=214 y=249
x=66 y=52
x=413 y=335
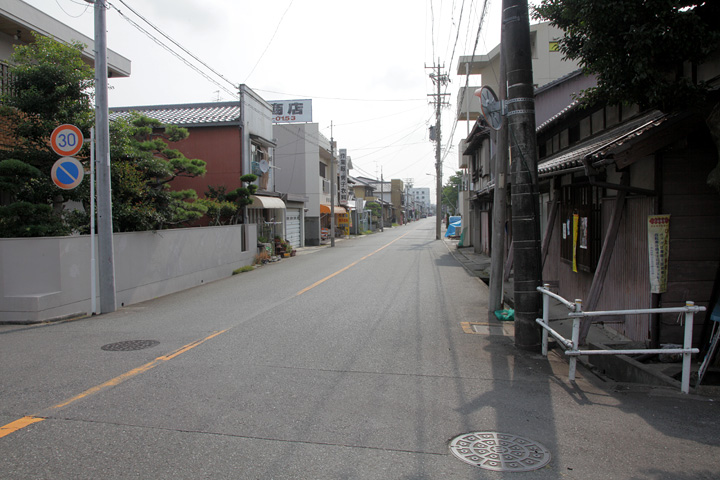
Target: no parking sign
x=67 y=173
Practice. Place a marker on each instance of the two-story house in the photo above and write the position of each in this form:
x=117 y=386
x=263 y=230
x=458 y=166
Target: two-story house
x=303 y=158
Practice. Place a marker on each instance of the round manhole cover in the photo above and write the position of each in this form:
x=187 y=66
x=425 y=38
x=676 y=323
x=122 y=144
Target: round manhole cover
x=501 y=452
x=129 y=345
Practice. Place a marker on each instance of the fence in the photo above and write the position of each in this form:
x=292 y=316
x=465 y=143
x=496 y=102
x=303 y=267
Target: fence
x=573 y=351
x=47 y=278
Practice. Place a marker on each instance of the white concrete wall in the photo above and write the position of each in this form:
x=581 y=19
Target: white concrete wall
x=47 y=278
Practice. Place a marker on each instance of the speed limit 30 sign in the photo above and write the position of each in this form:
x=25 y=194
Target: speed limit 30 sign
x=66 y=140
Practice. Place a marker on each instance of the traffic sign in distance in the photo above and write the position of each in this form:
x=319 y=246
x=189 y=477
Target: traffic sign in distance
x=66 y=140
x=67 y=173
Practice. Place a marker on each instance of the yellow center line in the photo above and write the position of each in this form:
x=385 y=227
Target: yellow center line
x=18 y=424
x=29 y=420
x=306 y=289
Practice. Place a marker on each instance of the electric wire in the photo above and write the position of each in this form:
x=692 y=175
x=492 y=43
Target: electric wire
x=269 y=43
x=176 y=43
x=171 y=51
x=85 y=4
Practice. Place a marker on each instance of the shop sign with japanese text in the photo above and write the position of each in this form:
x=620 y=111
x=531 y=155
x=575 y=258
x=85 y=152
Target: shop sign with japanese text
x=344 y=190
x=291 y=111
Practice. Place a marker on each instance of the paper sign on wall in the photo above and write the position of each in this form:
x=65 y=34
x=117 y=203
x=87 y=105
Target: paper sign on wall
x=658 y=251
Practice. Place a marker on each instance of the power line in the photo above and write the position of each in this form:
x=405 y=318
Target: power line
x=270 y=42
x=177 y=55
x=301 y=95
x=176 y=43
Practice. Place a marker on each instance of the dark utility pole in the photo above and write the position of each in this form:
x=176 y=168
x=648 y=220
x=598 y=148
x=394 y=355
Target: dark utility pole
x=439 y=80
x=523 y=153
x=499 y=214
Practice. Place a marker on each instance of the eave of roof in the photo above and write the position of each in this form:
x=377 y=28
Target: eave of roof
x=600 y=146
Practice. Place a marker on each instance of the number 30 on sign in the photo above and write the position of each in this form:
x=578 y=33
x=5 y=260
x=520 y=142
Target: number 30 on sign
x=66 y=140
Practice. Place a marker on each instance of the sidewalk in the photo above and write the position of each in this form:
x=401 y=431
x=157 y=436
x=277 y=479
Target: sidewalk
x=620 y=368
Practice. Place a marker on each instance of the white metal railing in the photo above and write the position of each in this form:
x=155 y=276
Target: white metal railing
x=573 y=351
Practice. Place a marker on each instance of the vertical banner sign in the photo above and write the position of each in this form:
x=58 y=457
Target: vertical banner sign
x=658 y=251
x=343 y=177
x=576 y=220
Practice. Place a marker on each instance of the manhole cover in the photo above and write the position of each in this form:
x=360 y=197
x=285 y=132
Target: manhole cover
x=129 y=345
x=501 y=452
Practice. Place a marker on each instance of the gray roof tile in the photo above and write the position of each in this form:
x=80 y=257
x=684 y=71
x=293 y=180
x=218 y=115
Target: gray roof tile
x=186 y=115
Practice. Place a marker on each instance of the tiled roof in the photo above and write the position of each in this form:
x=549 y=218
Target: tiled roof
x=601 y=144
x=186 y=115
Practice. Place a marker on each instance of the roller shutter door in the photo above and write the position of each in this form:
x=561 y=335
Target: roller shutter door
x=292 y=230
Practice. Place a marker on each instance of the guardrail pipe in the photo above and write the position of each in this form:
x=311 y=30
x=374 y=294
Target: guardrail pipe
x=687 y=344
x=546 y=320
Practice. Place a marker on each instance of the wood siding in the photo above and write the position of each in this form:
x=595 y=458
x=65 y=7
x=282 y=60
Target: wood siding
x=627 y=283
x=694 y=235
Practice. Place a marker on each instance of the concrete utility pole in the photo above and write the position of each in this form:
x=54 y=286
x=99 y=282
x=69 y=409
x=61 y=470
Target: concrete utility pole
x=499 y=214
x=106 y=262
x=382 y=200
x=439 y=80
x=333 y=181
x=523 y=152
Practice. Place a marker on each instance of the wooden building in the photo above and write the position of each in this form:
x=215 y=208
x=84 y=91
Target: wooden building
x=605 y=174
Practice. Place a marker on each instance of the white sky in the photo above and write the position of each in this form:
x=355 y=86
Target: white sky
x=362 y=64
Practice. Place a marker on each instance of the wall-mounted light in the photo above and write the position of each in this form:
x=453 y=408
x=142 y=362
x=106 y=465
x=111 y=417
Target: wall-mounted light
x=17 y=35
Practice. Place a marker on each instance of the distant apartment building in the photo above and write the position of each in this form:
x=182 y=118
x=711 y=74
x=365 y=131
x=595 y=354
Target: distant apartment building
x=422 y=199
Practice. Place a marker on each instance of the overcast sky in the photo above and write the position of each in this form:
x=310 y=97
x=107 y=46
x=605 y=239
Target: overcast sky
x=362 y=63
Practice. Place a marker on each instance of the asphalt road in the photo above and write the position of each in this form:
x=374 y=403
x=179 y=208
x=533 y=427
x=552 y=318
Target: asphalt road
x=345 y=362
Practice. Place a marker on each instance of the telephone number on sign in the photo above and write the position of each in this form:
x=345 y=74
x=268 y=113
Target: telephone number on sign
x=285 y=118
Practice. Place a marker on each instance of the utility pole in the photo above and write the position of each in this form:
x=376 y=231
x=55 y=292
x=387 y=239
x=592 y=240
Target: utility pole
x=499 y=214
x=439 y=79
x=382 y=199
x=523 y=152
x=333 y=181
x=106 y=262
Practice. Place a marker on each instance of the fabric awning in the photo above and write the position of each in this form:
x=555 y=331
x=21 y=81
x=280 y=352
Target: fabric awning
x=262 y=201
x=325 y=208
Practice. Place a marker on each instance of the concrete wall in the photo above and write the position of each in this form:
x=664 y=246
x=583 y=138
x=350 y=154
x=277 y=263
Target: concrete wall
x=47 y=278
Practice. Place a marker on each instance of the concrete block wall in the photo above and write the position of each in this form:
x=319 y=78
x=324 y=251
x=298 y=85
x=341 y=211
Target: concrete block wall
x=48 y=278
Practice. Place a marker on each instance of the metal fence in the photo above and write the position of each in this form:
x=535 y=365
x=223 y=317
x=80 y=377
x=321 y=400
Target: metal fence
x=572 y=347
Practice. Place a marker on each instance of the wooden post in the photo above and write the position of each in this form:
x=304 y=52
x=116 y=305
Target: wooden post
x=604 y=261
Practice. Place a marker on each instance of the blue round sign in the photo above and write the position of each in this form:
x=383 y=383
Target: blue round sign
x=67 y=173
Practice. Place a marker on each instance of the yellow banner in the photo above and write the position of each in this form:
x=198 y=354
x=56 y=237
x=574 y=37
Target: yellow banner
x=576 y=221
x=658 y=251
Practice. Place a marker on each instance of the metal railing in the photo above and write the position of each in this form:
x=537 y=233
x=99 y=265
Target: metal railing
x=573 y=351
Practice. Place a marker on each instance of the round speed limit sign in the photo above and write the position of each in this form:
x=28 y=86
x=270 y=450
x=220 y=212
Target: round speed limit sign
x=66 y=140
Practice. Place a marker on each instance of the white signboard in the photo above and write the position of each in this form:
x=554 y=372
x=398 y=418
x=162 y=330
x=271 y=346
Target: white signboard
x=344 y=190
x=659 y=251
x=291 y=111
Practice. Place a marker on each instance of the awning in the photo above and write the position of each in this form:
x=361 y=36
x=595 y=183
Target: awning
x=339 y=210
x=261 y=201
x=263 y=141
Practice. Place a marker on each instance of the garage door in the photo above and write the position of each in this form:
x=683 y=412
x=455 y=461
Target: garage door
x=292 y=230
